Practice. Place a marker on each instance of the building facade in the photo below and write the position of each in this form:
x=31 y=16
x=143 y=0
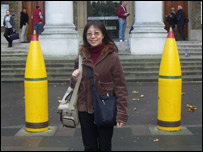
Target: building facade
x=64 y=22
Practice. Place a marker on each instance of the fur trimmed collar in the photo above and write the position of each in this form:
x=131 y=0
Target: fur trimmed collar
x=107 y=48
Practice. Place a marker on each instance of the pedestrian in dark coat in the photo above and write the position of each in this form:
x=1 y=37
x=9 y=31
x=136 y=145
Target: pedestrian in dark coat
x=24 y=19
x=171 y=19
x=180 y=18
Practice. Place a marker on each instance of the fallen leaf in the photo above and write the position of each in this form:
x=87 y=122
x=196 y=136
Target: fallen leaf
x=136 y=92
x=59 y=97
x=59 y=101
x=135 y=99
x=135 y=109
x=63 y=83
x=192 y=109
x=54 y=86
x=156 y=140
x=183 y=93
x=141 y=95
x=188 y=106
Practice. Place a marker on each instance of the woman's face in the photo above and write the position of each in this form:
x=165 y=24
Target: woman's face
x=7 y=13
x=94 y=36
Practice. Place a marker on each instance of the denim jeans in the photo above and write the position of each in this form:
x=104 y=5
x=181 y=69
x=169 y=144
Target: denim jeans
x=122 y=26
x=94 y=138
x=38 y=27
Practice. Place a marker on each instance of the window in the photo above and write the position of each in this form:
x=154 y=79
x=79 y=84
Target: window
x=105 y=11
x=4 y=7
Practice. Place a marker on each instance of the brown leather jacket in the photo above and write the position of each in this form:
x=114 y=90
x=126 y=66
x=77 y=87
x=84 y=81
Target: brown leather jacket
x=109 y=78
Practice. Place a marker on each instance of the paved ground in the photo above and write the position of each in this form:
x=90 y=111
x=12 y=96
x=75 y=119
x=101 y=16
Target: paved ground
x=138 y=134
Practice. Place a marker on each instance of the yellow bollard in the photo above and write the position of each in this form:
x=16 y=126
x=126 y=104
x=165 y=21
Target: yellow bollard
x=36 y=92
x=169 y=87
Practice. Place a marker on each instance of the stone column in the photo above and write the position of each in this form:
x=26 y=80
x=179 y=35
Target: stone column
x=59 y=36
x=149 y=35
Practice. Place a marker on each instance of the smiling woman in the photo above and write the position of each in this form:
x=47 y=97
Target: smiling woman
x=94 y=36
x=99 y=53
x=100 y=33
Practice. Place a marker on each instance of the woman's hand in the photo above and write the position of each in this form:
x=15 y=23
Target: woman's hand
x=76 y=73
x=120 y=124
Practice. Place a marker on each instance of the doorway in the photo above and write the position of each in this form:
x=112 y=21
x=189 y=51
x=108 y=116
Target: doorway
x=31 y=6
x=167 y=9
x=106 y=12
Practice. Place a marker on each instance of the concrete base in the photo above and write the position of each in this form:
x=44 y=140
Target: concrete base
x=59 y=40
x=58 y=45
x=148 y=38
x=50 y=132
x=155 y=131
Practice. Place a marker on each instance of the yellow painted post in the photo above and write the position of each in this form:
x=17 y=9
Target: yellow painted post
x=36 y=92
x=169 y=87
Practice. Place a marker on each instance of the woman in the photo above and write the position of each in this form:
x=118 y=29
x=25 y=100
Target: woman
x=99 y=52
x=9 y=25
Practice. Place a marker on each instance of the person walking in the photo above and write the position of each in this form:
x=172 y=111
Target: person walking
x=37 y=19
x=9 y=25
x=100 y=53
x=24 y=18
x=180 y=18
x=122 y=15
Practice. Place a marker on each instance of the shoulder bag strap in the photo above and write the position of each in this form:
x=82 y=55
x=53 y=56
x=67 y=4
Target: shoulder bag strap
x=94 y=91
x=73 y=100
x=91 y=78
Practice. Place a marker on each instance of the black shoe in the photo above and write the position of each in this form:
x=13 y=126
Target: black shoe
x=10 y=45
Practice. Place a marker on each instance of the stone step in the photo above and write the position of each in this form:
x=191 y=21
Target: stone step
x=64 y=73
x=187 y=78
x=182 y=52
x=190 y=51
x=126 y=69
x=121 y=45
x=123 y=57
x=125 y=64
x=142 y=68
x=182 y=49
x=189 y=42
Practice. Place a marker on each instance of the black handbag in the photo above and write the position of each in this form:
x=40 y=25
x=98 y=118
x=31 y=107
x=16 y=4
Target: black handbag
x=104 y=106
x=14 y=36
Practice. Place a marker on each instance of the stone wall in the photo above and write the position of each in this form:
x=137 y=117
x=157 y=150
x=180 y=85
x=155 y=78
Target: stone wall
x=196 y=15
x=195 y=30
